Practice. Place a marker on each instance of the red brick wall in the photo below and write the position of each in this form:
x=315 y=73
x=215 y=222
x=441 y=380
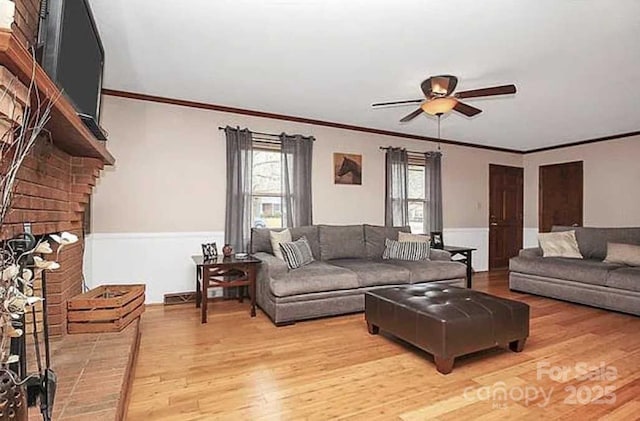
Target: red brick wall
x=25 y=21
x=51 y=193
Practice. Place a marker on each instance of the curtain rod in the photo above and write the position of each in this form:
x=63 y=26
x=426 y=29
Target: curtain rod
x=386 y=148
x=260 y=133
x=268 y=134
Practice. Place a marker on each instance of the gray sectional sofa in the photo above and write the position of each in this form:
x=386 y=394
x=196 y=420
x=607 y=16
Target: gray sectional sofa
x=348 y=263
x=586 y=281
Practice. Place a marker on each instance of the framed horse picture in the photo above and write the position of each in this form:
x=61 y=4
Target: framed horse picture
x=347 y=169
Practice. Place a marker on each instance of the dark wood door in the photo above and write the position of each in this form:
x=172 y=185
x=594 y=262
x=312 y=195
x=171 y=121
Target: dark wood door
x=560 y=195
x=505 y=214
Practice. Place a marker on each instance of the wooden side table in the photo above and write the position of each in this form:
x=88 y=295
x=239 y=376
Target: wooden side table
x=465 y=252
x=224 y=272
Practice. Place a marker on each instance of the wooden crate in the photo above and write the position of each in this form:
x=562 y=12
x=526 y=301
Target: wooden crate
x=107 y=308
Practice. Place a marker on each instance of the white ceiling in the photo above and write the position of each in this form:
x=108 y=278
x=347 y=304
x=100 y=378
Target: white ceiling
x=576 y=63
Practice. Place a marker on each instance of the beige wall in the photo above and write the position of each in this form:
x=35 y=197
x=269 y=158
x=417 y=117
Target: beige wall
x=611 y=181
x=170 y=171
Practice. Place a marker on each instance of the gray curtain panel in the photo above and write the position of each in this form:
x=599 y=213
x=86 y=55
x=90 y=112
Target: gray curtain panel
x=397 y=174
x=237 y=228
x=433 y=185
x=297 y=158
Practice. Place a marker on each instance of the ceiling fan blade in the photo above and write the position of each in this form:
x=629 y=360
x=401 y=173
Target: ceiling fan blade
x=411 y=116
x=466 y=109
x=408 y=101
x=496 y=90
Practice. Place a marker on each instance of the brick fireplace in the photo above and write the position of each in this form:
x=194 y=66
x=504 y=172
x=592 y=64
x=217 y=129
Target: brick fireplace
x=56 y=180
x=52 y=194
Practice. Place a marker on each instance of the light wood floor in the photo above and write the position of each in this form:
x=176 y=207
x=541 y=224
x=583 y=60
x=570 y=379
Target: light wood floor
x=238 y=368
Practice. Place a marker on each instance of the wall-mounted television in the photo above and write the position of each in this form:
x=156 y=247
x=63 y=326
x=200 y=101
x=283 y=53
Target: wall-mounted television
x=73 y=56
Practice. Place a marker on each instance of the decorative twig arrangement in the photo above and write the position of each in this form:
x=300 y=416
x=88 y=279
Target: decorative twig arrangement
x=21 y=261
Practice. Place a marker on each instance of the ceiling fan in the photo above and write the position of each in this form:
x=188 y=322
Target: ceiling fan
x=440 y=99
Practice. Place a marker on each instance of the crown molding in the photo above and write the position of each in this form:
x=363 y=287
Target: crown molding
x=285 y=117
x=584 y=142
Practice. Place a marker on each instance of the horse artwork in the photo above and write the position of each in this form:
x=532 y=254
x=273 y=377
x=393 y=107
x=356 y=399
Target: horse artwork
x=347 y=168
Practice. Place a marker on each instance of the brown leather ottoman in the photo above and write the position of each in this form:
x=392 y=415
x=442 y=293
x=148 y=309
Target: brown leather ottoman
x=447 y=321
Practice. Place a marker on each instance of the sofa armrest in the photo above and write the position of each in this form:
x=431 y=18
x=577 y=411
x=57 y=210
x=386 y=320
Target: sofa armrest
x=531 y=252
x=437 y=254
x=271 y=266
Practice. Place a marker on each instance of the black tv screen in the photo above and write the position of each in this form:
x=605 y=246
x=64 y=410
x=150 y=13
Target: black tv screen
x=73 y=55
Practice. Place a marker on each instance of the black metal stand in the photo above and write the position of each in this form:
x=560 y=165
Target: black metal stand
x=48 y=378
x=18 y=346
x=44 y=384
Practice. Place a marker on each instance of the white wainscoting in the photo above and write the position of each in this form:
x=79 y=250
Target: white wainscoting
x=162 y=261
x=477 y=238
x=530 y=237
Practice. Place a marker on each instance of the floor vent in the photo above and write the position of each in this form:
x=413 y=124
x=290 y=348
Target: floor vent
x=180 y=298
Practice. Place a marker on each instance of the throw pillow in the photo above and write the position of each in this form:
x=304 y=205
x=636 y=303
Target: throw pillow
x=406 y=237
x=297 y=253
x=408 y=250
x=559 y=244
x=277 y=238
x=624 y=254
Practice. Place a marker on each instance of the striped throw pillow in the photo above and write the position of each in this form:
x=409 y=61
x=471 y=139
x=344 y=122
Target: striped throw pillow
x=408 y=250
x=297 y=253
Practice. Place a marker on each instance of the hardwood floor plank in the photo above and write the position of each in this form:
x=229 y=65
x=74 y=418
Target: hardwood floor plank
x=236 y=367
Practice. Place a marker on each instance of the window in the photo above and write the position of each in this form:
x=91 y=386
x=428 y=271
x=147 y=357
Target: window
x=416 y=199
x=266 y=197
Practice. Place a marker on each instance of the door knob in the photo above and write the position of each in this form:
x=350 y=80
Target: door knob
x=493 y=224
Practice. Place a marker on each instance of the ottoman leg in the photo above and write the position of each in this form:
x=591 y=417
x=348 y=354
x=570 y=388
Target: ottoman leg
x=517 y=346
x=444 y=365
x=373 y=329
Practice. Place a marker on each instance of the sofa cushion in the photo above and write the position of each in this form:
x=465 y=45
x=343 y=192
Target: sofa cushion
x=408 y=237
x=341 y=242
x=623 y=254
x=296 y=253
x=585 y=270
x=375 y=273
x=311 y=233
x=593 y=241
x=625 y=278
x=407 y=250
x=430 y=270
x=277 y=238
x=374 y=236
x=314 y=277
x=261 y=239
x=437 y=254
x=559 y=244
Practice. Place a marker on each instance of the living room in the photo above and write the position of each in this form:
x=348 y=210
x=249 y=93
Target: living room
x=179 y=82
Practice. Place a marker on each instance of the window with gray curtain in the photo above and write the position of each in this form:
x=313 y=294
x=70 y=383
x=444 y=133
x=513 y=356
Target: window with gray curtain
x=433 y=186
x=237 y=226
x=297 y=160
x=413 y=190
x=396 y=176
x=268 y=183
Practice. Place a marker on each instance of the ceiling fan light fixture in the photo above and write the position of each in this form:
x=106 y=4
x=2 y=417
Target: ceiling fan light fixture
x=439 y=105
x=440 y=85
